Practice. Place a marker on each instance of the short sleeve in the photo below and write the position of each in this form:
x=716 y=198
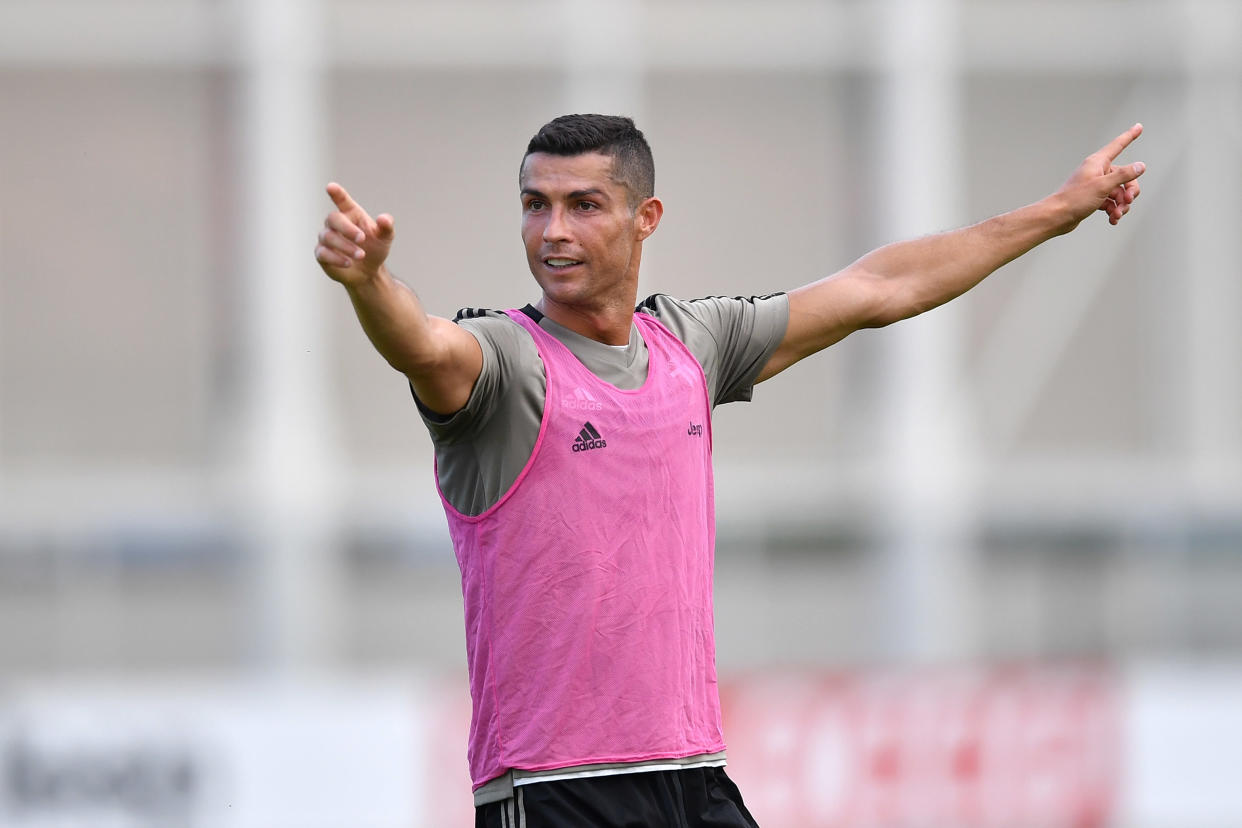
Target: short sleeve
x=496 y=337
x=481 y=449
x=732 y=337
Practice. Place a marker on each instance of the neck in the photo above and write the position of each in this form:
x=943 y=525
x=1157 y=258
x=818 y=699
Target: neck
x=609 y=325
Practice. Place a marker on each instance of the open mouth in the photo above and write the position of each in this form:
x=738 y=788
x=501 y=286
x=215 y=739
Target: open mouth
x=560 y=263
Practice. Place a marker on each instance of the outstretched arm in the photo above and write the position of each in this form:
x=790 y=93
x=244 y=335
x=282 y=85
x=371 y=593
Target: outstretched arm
x=441 y=360
x=905 y=279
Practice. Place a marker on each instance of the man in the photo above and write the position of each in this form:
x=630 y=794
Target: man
x=573 y=449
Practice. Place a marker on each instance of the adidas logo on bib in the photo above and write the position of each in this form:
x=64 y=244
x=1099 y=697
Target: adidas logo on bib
x=588 y=438
x=581 y=400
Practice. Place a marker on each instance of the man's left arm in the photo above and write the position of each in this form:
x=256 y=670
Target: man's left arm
x=904 y=279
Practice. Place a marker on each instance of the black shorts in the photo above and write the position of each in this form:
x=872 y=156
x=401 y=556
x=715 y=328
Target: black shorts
x=687 y=798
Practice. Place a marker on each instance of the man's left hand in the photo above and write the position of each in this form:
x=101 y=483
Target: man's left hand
x=1099 y=185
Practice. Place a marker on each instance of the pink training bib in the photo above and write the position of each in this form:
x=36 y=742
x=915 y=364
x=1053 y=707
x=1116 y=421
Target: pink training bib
x=588 y=587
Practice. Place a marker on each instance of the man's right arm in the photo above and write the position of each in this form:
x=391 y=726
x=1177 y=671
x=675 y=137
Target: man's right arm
x=441 y=360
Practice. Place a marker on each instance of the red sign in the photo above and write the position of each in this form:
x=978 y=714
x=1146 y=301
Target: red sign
x=1018 y=747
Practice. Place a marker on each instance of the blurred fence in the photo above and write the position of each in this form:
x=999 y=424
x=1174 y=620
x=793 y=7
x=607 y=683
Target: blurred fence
x=1053 y=747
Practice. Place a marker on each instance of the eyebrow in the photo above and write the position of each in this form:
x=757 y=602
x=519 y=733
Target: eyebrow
x=594 y=191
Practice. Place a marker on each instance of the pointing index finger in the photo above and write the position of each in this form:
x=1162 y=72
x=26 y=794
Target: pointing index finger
x=1114 y=147
x=341 y=198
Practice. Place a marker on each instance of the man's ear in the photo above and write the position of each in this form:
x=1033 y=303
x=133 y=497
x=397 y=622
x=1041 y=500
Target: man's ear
x=647 y=217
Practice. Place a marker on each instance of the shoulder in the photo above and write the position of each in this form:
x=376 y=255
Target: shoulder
x=509 y=352
x=491 y=327
x=714 y=316
x=485 y=317
x=731 y=337
x=510 y=359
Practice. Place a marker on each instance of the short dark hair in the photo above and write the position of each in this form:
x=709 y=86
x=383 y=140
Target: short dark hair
x=611 y=135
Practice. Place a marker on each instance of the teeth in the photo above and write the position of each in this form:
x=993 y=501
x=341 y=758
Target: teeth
x=562 y=262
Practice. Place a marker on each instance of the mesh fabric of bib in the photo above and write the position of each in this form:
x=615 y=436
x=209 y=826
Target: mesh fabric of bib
x=588 y=586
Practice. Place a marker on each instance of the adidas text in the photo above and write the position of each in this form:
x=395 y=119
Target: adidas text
x=586 y=445
x=581 y=405
x=582 y=401
x=588 y=438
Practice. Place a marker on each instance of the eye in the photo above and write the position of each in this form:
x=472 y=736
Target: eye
x=534 y=204
x=587 y=206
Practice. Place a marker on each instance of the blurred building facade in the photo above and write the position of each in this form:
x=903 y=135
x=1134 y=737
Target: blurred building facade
x=205 y=468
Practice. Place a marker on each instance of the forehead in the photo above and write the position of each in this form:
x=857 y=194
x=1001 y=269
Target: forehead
x=549 y=173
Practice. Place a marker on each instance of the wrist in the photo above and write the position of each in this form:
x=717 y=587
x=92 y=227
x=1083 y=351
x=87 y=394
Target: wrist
x=1057 y=214
x=361 y=278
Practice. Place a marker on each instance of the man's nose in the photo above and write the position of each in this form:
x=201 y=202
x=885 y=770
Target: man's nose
x=557 y=228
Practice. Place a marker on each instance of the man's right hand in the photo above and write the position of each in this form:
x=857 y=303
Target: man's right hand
x=441 y=360
x=352 y=245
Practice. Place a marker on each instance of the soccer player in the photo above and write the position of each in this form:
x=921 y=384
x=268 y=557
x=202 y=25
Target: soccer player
x=573 y=457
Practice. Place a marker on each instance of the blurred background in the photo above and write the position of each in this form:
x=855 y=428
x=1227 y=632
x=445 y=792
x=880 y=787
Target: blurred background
x=227 y=595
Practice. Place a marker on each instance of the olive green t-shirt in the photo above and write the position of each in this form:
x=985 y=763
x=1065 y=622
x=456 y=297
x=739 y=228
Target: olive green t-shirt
x=481 y=449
